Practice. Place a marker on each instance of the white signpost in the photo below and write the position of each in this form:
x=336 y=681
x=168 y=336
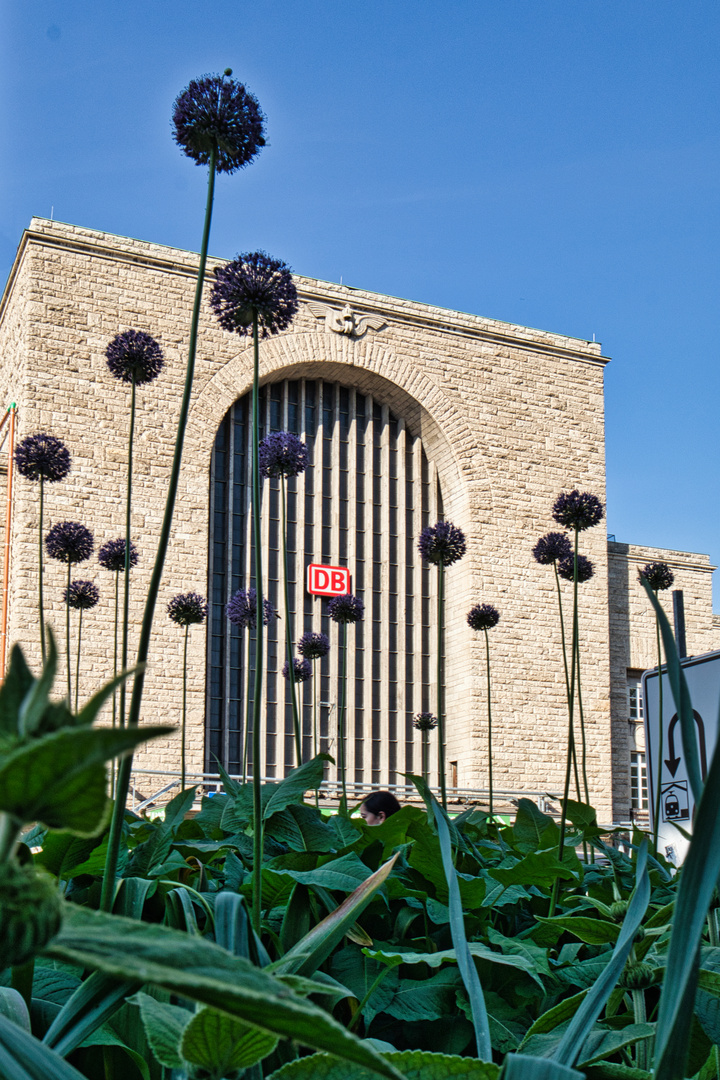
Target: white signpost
x=677 y=805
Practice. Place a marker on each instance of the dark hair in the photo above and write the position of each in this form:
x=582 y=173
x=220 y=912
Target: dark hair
x=381 y=802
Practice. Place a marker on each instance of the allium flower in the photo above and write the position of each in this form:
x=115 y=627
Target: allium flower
x=658 y=575
x=134 y=355
x=69 y=542
x=251 y=283
x=302 y=670
x=552 y=547
x=112 y=555
x=81 y=595
x=242 y=609
x=566 y=568
x=313 y=646
x=579 y=510
x=346 y=609
x=483 y=617
x=42 y=457
x=187 y=608
x=282 y=454
x=218 y=110
x=425 y=721
x=442 y=544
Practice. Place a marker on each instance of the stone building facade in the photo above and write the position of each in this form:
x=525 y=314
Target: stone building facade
x=412 y=412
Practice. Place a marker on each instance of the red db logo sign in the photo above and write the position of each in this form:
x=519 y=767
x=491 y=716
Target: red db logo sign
x=327 y=580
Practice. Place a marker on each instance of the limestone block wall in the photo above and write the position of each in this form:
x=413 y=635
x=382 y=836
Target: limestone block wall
x=508 y=415
x=633 y=646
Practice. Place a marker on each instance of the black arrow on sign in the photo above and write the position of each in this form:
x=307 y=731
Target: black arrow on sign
x=672 y=762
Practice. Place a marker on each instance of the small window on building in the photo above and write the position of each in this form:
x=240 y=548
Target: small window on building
x=635 y=700
x=638 y=782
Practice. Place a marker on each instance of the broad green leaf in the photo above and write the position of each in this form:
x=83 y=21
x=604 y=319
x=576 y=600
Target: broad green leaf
x=306 y=777
x=12 y=1005
x=413 y=1064
x=465 y=963
x=23 y=1057
x=609 y=1070
x=62 y=853
x=601 y=1044
x=178 y=807
x=198 y=969
x=220 y=1044
x=232 y=787
x=342 y=875
x=425 y=999
x=435 y=959
x=302 y=828
x=358 y=972
x=581 y=815
x=531 y=825
x=583 y=1022
x=591 y=931
x=164 y=1026
x=707 y=1000
x=36 y=701
x=59 y=779
x=538 y=868
x=309 y=953
x=553 y=1018
x=523 y=1067
x=90 y=1005
x=14 y=689
x=131 y=896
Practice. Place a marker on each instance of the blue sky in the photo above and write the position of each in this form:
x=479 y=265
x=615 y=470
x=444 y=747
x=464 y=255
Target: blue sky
x=553 y=163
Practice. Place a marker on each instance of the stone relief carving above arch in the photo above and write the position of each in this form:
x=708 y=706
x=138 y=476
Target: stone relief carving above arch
x=368 y=363
x=345 y=321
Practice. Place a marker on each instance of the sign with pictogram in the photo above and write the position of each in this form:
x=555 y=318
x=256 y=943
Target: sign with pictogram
x=666 y=763
x=327 y=580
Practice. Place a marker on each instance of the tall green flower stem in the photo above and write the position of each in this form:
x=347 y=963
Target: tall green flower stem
x=125 y=768
x=583 y=734
x=288 y=628
x=115 y=671
x=184 y=711
x=67 y=636
x=259 y=623
x=440 y=684
x=341 y=715
x=656 y=807
x=248 y=712
x=40 y=572
x=567 y=673
x=425 y=755
x=489 y=715
x=128 y=527
x=571 y=729
x=77 y=662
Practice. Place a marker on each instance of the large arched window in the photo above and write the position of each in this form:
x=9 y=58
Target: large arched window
x=368 y=492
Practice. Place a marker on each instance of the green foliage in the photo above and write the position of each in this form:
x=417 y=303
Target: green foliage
x=413 y=1064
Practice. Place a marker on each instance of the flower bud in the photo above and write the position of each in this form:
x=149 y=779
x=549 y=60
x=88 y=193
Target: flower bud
x=30 y=913
x=618 y=910
x=637 y=977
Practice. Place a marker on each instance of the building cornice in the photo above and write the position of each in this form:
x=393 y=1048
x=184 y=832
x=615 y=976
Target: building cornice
x=408 y=313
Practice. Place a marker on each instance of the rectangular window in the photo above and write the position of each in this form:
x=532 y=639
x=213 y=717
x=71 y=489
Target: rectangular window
x=635 y=701
x=638 y=782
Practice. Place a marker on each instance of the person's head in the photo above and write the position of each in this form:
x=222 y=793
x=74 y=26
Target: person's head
x=378 y=806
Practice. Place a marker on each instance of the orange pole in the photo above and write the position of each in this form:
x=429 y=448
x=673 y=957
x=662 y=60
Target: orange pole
x=8 y=525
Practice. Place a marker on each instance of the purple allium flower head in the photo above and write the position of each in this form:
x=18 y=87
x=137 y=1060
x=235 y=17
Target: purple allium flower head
x=658 y=575
x=346 y=609
x=242 y=609
x=112 y=555
x=302 y=670
x=483 y=617
x=81 y=595
x=251 y=283
x=442 y=544
x=218 y=110
x=577 y=510
x=566 y=569
x=282 y=454
x=42 y=457
x=425 y=721
x=134 y=355
x=187 y=608
x=69 y=542
x=313 y=646
x=552 y=547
